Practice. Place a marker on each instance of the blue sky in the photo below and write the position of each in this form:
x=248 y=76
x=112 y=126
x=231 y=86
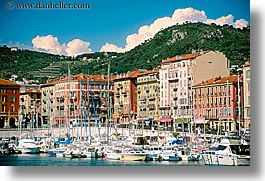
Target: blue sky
x=106 y=21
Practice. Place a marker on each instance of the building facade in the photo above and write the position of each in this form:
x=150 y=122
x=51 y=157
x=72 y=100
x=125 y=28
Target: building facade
x=216 y=103
x=48 y=103
x=30 y=106
x=9 y=104
x=177 y=77
x=148 y=95
x=77 y=99
x=246 y=85
x=125 y=98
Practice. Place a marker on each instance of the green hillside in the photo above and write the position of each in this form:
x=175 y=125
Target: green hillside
x=175 y=40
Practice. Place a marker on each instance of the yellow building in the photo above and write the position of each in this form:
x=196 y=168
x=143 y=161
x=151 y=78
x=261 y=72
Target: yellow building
x=148 y=97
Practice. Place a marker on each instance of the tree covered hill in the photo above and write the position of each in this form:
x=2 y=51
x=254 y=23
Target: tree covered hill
x=169 y=42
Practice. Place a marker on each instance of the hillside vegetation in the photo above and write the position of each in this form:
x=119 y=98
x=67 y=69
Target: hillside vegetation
x=172 y=41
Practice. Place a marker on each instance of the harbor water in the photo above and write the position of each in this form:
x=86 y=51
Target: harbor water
x=44 y=159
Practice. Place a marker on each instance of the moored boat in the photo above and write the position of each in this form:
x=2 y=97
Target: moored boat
x=133 y=154
x=27 y=145
x=229 y=152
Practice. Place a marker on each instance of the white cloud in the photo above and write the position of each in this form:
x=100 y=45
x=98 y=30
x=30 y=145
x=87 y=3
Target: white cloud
x=51 y=44
x=48 y=43
x=179 y=16
x=224 y=20
x=241 y=23
x=110 y=48
x=76 y=47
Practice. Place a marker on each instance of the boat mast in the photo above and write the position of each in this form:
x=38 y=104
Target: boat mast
x=88 y=106
x=69 y=101
x=109 y=110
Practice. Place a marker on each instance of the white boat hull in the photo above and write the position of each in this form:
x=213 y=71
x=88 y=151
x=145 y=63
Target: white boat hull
x=132 y=157
x=229 y=160
x=113 y=156
x=29 y=150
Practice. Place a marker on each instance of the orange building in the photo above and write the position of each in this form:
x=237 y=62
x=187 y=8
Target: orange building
x=125 y=98
x=9 y=103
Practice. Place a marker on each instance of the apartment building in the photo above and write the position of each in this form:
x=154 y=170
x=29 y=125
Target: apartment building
x=125 y=98
x=177 y=76
x=247 y=100
x=218 y=103
x=148 y=112
x=76 y=99
x=30 y=105
x=48 y=103
x=9 y=103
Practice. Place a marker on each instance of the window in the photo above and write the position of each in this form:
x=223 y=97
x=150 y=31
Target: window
x=3 y=91
x=248 y=73
x=14 y=91
x=12 y=99
x=4 y=98
x=72 y=85
x=12 y=108
x=3 y=108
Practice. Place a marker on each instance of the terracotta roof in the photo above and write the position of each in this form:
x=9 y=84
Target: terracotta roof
x=82 y=77
x=149 y=72
x=181 y=57
x=220 y=80
x=129 y=75
x=32 y=91
x=4 y=82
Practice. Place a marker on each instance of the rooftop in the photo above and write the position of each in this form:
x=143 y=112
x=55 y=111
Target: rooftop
x=8 y=83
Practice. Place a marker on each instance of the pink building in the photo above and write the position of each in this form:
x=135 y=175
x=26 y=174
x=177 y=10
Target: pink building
x=79 y=98
x=177 y=77
x=216 y=101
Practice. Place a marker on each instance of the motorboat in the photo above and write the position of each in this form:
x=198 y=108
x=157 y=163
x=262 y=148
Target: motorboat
x=229 y=151
x=113 y=153
x=153 y=152
x=72 y=151
x=28 y=145
x=133 y=154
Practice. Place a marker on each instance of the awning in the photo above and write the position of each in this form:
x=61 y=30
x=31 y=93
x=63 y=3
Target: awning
x=141 y=120
x=179 y=120
x=165 y=119
x=115 y=118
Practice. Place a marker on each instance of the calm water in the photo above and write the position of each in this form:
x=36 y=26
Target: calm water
x=46 y=160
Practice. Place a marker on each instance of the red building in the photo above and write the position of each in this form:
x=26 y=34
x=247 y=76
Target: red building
x=9 y=103
x=219 y=101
